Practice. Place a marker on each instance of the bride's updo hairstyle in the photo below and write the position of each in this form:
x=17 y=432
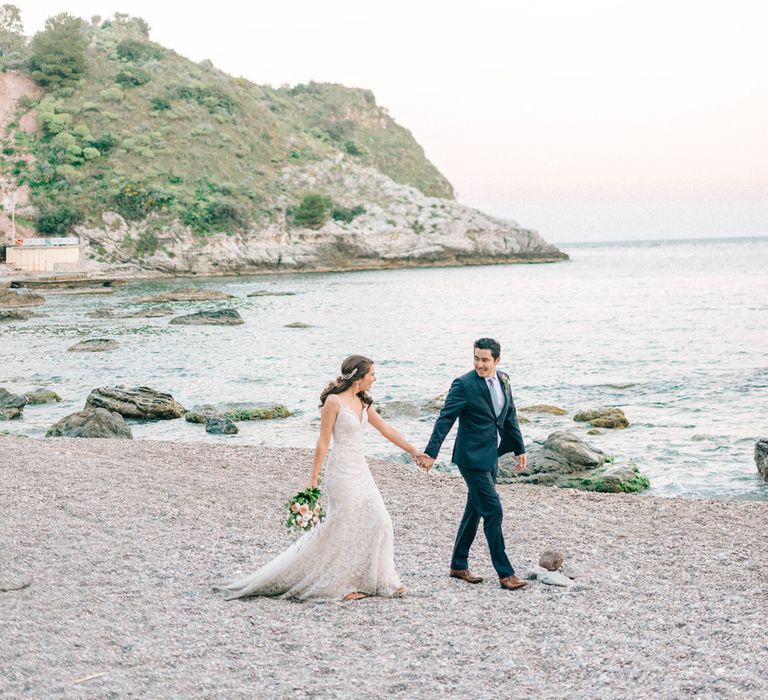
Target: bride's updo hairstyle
x=353 y=368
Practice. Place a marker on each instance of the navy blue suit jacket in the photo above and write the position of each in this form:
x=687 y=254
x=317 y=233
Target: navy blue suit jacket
x=469 y=400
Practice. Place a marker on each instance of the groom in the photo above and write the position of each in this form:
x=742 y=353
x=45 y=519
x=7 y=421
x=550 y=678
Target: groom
x=482 y=401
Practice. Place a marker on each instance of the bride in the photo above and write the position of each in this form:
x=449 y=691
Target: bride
x=350 y=554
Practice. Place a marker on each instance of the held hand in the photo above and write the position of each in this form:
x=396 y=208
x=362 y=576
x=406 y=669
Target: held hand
x=522 y=463
x=425 y=461
x=312 y=484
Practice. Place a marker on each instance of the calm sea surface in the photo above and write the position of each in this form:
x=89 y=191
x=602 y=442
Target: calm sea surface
x=675 y=333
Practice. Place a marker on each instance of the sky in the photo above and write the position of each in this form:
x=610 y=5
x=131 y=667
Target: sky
x=587 y=121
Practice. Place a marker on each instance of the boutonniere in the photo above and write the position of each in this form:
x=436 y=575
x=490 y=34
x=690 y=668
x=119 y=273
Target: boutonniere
x=505 y=382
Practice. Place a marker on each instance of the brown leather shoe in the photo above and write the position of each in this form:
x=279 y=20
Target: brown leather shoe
x=512 y=583
x=466 y=575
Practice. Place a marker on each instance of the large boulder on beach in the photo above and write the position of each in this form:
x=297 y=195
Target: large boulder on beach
x=41 y=396
x=237 y=411
x=10 y=315
x=9 y=299
x=11 y=405
x=94 y=345
x=606 y=417
x=761 y=457
x=567 y=461
x=219 y=317
x=186 y=294
x=140 y=402
x=91 y=423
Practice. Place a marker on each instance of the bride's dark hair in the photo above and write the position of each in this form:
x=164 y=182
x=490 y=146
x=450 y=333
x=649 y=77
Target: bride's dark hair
x=353 y=368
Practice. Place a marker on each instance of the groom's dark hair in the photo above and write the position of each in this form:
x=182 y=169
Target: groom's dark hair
x=489 y=344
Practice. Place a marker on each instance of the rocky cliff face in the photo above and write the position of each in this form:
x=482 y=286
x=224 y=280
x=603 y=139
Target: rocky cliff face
x=400 y=227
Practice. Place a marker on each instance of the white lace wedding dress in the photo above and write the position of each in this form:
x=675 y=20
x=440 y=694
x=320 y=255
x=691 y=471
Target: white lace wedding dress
x=352 y=550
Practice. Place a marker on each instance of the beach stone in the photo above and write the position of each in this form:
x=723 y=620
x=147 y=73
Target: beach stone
x=9 y=298
x=91 y=423
x=95 y=345
x=297 y=324
x=594 y=431
x=607 y=417
x=186 y=294
x=136 y=402
x=237 y=411
x=268 y=293
x=531 y=572
x=573 y=570
x=554 y=578
x=9 y=315
x=220 y=426
x=220 y=317
x=761 y=457
x=11 y=405
x=390 y=409
x=551 y=560
x=41 y=396
x=544 y=408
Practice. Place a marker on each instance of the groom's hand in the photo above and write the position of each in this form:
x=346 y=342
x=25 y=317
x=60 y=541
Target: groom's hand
x=522 y=463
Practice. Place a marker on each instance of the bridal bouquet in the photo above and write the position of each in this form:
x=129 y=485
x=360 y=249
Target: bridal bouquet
x=304 y=511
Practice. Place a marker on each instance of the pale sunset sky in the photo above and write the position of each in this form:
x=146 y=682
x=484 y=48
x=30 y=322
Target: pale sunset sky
x=590 y=120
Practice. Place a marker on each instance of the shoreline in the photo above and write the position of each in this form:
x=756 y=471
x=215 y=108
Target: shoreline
x=121 y=541
x=120 y=275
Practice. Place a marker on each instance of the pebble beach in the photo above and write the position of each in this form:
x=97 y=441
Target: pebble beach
x=109 y=551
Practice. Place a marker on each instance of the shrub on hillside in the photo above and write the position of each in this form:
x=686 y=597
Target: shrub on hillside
x=347 y=215
x=312 y=211
x=132 y=50
x=132 y=77
x=56 y=219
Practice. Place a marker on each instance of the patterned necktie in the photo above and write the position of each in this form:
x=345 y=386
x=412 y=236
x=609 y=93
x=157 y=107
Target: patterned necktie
x=498 y=399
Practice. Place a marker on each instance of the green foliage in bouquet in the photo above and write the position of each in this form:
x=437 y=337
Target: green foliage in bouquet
x=304 y=511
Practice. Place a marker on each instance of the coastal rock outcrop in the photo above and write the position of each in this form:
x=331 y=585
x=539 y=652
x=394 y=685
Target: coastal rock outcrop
x=564 y=460
x=94 y=345
x=607 y=417
x=220 y=317
x=186 y=294
x=761 y=457
x=91 y=423
x=544 y=408
x=11 y=405
x=237 y=411
x=140 y=402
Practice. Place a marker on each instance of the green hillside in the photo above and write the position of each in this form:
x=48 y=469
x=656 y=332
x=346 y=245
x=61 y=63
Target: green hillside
x=152 y=135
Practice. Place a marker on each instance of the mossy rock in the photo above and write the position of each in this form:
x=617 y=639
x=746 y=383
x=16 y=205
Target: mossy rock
x=610 y=417
x=544 y=408
x=616 y=479
x=41 y=396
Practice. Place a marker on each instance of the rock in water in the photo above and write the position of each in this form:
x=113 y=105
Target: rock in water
x=10 y=315
x=40 y=396
x=544 y=408
x=95 y=345
x=91 y=423
x=11 y=405
x=222 y=317
x=267 y=293
x=390 y=409
x=136 y=402
x=9 y=298
x=188 y=294
x=761 y=457
x=234 y=411
x=607 y=417
x=220 y=426
x=298 y=324
x=551 y=560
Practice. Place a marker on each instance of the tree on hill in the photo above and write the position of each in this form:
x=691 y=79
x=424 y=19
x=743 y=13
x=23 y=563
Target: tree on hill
x=11 y=30
x=58 y=52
